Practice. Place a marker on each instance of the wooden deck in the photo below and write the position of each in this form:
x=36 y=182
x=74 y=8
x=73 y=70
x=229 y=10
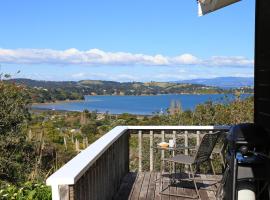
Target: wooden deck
x=147 y=186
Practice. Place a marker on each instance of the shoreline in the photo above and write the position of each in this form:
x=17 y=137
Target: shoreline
x=98 y=113
x=58 y=102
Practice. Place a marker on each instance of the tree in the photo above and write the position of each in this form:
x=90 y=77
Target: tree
x=14 y=104
x=15 y=153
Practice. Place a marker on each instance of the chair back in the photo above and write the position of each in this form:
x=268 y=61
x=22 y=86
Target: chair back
x=206 y=146
x=223 y=140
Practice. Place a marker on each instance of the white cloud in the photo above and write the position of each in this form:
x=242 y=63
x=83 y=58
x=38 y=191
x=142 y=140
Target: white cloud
x=229 y=61
x=175 y=76
x=78 y=75
x=186 y=59
x=98 y=57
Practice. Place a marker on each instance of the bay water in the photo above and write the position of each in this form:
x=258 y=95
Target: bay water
x=140 y=105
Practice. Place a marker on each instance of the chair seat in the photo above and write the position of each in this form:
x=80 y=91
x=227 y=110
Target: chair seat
x=182 y=159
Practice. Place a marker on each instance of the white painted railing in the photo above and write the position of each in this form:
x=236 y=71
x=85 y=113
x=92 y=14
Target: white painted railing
x=104 y=163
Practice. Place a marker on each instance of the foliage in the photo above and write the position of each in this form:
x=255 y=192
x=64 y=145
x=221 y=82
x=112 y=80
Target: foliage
x=235 y=112
x=17 y=156
x=27 y=191
x=14 y=101
x=16 y=153
x=89 y=130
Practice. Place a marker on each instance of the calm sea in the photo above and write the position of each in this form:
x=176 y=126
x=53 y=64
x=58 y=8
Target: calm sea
x=142 y=105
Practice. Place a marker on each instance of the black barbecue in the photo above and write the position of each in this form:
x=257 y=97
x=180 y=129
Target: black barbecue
x=247 y=161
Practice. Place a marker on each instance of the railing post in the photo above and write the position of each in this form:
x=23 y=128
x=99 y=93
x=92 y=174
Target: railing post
x=186 y=145
x=151 y=151
x=162 y=151
x=173 y=153
x=186 y=142
x=140 y=150
x=64 y=191
x=198 y=138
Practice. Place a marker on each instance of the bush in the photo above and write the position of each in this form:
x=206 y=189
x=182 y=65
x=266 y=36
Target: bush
x=14 y=104
x=27 y=191
x=17 y=158
x=16 y=153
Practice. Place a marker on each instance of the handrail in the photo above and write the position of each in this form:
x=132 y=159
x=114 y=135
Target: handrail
x=71 y=172
x=76 y=167
x=178 y=127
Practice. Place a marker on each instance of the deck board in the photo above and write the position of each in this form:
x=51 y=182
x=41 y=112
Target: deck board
x=126 y=187
x=158 y=187
x=152 y=187
x=137 y=187
x=165 y=188
x=147 y=186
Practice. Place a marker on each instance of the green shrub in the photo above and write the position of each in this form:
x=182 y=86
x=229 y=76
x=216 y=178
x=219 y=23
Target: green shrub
x=27 y=191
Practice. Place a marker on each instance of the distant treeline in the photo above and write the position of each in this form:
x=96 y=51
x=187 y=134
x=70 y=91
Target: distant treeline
x=50 y=91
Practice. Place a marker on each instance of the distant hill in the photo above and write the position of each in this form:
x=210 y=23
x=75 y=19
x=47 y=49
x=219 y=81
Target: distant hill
x=49 y=91
x=98 y=87
x=44 y=84
x=223 y=82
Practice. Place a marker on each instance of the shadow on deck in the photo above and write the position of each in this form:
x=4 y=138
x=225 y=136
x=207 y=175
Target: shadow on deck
x=147 y=185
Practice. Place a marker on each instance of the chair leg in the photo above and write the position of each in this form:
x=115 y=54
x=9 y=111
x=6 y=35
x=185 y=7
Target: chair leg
x=194 y=181
x=212 y=166
x=222 y=159
x=197 y=168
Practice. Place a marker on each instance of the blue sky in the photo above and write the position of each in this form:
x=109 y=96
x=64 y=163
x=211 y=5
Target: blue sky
x=125 y=40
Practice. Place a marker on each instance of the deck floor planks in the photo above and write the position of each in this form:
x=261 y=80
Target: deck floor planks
x=182 y=187
x=180 y=191
x=137 y=187
x=152 y=187
x=147 y=186
x=158 y=187
x=173 y=190
x=165 y=188
x=209 y=193
x=126 y=187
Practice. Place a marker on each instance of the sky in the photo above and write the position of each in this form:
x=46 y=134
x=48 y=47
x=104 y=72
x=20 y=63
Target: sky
x=122 y=40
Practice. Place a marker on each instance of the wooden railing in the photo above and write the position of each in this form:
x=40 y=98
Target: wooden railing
x=97 y=171
x=182 y=135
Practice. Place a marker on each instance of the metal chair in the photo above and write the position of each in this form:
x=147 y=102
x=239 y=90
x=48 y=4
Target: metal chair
x=203 y=153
